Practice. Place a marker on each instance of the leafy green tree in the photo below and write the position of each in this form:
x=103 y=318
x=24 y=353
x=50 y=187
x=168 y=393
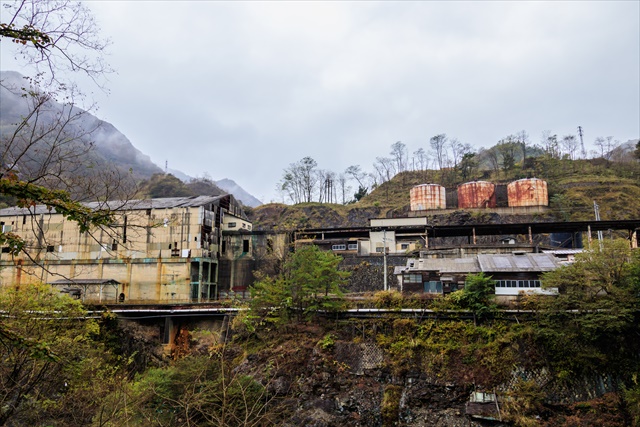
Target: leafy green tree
x=478 y=296
x=53 y=371
x=508 y=147
x=362 y=191
x=594 y=312
x=203 y=390
x=468 y=165
x=598 y=275
x=310 y=282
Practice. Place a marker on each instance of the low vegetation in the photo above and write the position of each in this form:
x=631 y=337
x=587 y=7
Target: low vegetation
x=62 y=367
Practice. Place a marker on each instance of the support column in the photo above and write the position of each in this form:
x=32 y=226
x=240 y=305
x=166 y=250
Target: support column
x=167 y=338
x=199 y=280
x=232 y=273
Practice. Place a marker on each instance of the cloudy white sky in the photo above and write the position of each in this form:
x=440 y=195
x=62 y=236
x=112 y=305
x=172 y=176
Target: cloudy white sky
x=243 y=89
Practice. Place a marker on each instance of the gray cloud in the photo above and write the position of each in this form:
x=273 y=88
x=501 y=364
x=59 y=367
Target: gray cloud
x=242 y=89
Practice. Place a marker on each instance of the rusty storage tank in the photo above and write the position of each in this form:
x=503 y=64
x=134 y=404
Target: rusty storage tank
x=477 y=194
x=528 y=192
x=428 y=196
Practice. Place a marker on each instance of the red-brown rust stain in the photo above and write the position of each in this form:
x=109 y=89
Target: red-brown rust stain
x=480 y=194
x=528 y=192
x=428 y=196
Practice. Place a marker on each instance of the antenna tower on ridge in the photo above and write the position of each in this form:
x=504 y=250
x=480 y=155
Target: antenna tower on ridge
x=584 y=152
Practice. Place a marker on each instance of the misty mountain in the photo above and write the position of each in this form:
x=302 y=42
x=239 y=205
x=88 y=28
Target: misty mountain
x=108 y=147
x=100 y=145
x=180 y=175
x=624 y=152
x=224 y=185
x=238 y=192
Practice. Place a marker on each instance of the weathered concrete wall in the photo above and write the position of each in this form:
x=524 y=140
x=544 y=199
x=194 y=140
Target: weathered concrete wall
x=151 y=280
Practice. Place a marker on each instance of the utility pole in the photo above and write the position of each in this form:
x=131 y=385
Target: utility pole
x=584 y=152
x=384 y=258
x=596 y=208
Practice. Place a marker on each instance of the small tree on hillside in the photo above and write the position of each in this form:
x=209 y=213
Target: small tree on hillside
x=478 y=296
x=310 y=282
x=438 y=145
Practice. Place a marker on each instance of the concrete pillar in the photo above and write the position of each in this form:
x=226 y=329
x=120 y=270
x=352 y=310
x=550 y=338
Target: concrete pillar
x=168 y=330
x=200 y=281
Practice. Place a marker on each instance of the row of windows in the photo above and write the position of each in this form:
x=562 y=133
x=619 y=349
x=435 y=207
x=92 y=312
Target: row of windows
x=433 y=287
x=235 y=224
x=417 y=278
x=412 y=278
x=518 y=283
x=350 y=247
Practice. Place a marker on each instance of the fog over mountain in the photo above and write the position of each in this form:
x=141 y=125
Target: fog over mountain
x=230 y=186
x=111 y=148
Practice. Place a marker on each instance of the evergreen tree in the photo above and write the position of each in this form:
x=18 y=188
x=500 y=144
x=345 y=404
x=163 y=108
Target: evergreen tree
x=310 y=282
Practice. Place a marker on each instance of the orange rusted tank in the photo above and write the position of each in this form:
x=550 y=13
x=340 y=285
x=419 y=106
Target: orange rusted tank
x=427 y=197
x=477 y=194
x=528 y=192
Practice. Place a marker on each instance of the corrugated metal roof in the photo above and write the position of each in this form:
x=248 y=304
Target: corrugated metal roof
x=525 y=262
x=118 y=205
x=563 y=251
x=443 y=265
x=487 y=263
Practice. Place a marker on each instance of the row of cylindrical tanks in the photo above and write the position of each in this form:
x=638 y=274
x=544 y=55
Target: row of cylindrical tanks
x=480 y=194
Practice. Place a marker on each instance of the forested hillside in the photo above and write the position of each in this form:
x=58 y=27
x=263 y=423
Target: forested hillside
x=573 y=186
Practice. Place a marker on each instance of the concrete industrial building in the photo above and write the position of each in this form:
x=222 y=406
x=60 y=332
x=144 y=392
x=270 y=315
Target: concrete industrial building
x=157 y=250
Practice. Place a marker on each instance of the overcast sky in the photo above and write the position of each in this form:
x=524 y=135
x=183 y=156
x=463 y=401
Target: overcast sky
x=242 y=89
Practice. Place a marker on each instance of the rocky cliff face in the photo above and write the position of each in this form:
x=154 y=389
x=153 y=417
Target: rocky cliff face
x=394 y=371
x=327 y=382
